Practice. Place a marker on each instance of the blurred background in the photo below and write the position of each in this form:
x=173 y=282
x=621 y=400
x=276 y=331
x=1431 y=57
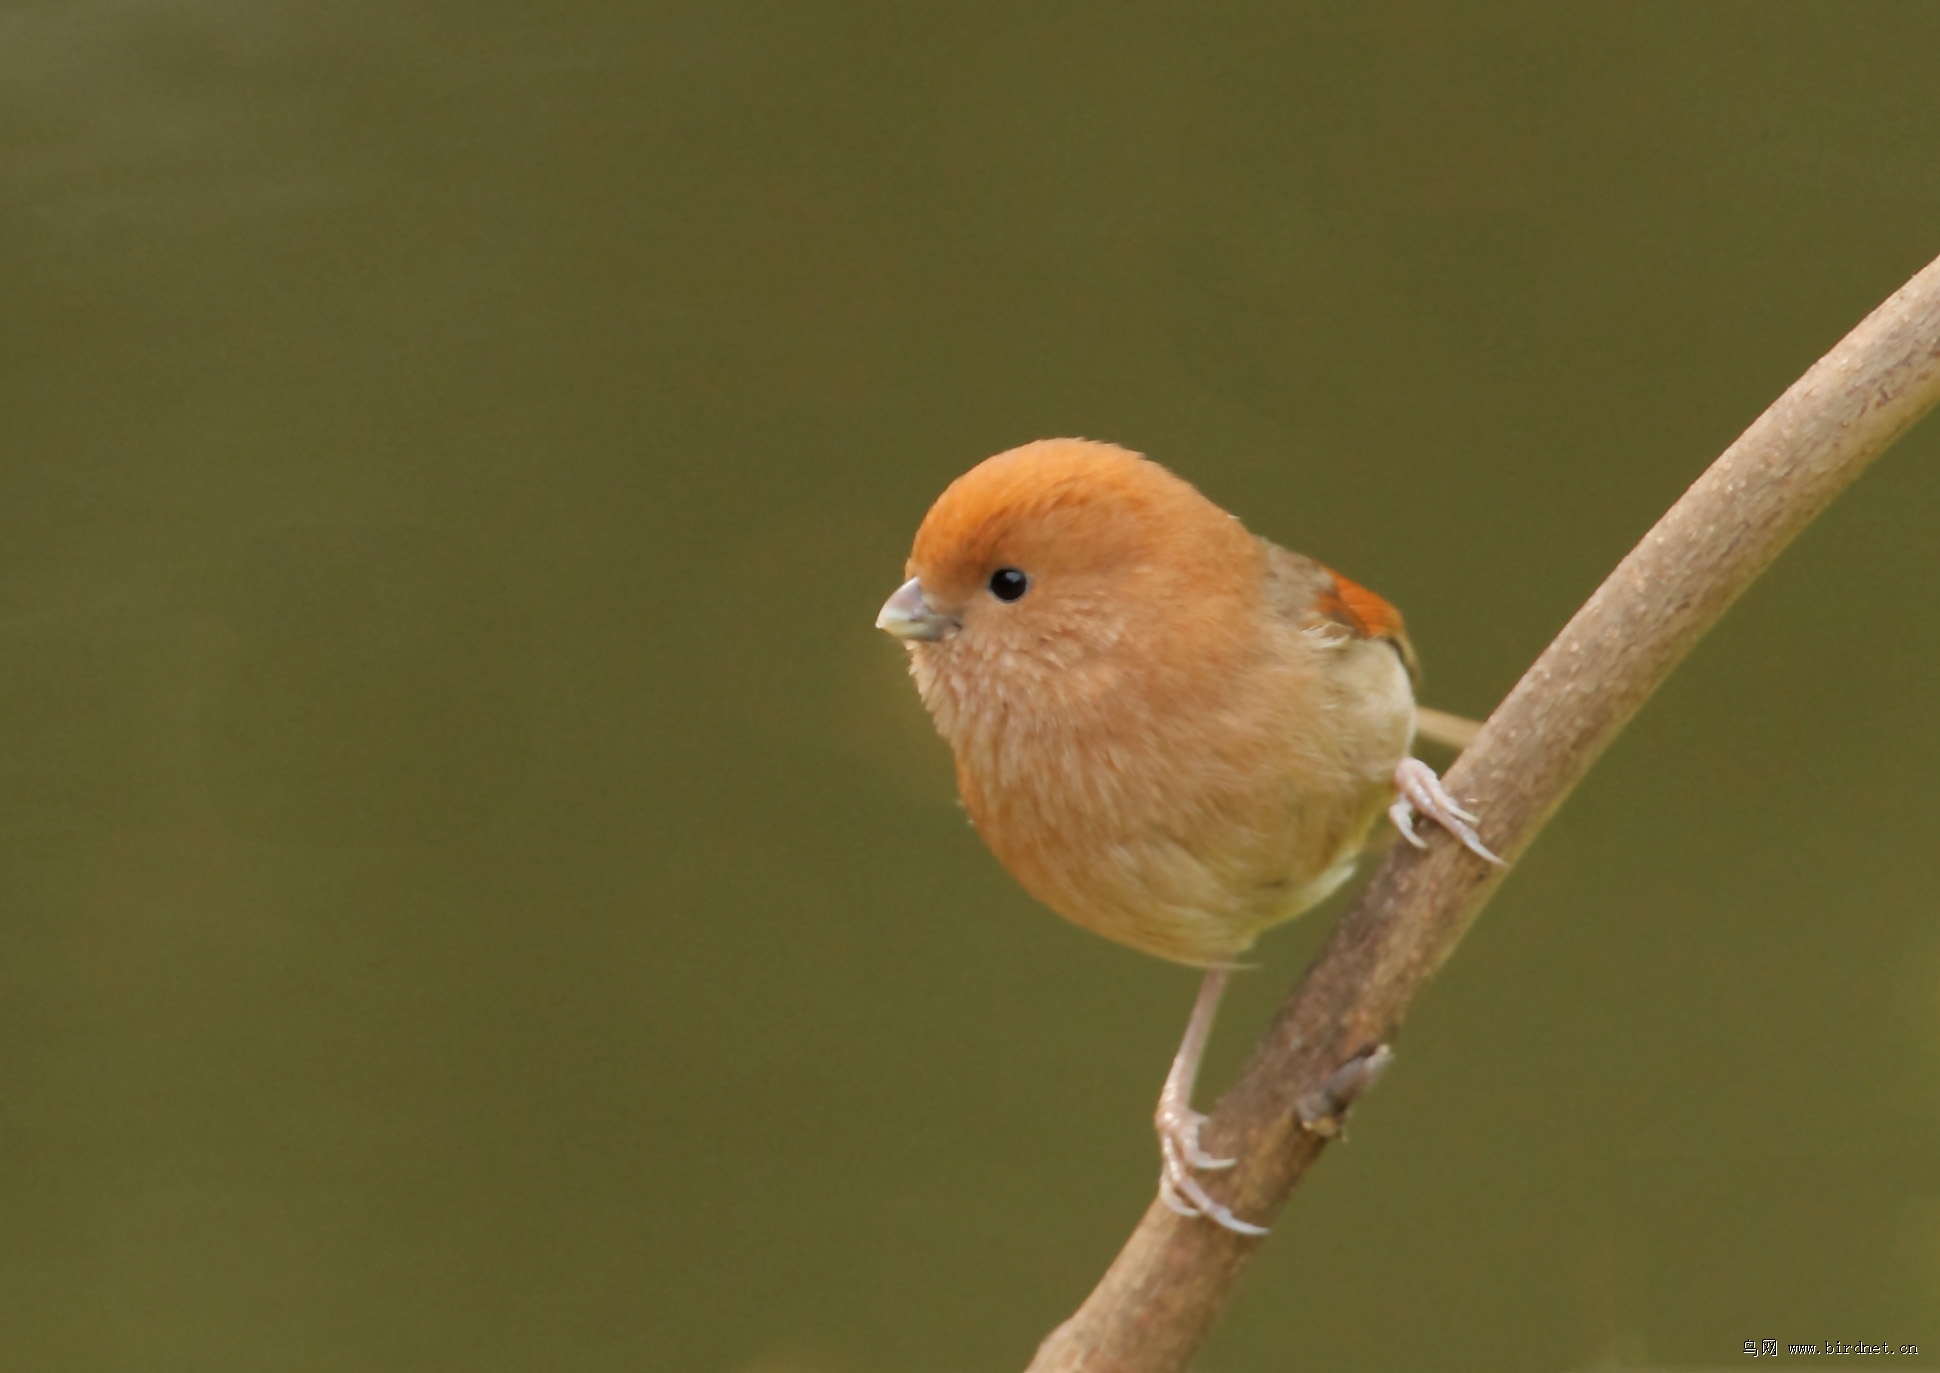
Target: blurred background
x=477 y=892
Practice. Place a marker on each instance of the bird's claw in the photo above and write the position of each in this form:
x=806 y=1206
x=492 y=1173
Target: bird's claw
x=1422 y=793
x=1179 y=1189
x=1179 y=1128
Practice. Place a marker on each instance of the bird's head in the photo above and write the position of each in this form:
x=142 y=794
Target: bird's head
x=1060 y=572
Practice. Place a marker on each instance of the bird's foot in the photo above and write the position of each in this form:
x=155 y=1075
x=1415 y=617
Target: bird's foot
x=1179 y=1188
x=1422 y=793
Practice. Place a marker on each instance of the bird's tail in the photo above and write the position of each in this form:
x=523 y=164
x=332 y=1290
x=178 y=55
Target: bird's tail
x=1439 y=727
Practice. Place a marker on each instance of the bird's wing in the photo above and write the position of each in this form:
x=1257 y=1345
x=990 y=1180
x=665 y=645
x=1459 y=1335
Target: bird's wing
x=1307 y=594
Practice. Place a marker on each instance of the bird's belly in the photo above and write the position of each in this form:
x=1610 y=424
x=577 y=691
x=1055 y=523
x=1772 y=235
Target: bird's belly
x=1192 y=896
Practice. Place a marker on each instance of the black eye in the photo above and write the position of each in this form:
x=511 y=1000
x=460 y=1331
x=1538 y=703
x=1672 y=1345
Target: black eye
x=1007 y=583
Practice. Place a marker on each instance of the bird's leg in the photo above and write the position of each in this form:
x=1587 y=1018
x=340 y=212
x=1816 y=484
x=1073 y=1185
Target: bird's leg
x=1422 y=793
x=1178 y=1124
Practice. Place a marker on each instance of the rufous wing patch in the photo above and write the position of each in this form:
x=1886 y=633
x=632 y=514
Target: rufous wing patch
x=1365 y=613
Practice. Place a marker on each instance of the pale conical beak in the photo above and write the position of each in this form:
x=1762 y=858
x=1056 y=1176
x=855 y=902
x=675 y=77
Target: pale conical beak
x=908 y=616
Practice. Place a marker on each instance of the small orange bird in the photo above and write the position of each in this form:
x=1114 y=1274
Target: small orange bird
x=1172 y=732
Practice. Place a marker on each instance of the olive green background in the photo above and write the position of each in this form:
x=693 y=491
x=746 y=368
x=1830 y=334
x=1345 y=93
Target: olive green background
x=477 y=894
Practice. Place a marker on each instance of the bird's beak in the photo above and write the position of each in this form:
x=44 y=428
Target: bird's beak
x=908 y=616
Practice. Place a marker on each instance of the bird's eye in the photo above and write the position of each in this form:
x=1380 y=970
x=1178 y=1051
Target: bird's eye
x=1007 y=583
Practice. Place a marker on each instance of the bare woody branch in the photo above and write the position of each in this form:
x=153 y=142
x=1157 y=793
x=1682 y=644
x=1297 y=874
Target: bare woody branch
x=1162 y=1294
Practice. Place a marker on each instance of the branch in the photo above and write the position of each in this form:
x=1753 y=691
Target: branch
x=1160 y=1297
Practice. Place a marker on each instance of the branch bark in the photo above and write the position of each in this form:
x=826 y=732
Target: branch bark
x=1160 y=1297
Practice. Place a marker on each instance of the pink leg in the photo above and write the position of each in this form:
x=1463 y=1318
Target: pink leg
x=1422 y=793
x=1179 y=1124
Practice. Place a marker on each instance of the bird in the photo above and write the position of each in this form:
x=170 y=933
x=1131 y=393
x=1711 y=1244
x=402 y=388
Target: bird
x=1172 y=732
